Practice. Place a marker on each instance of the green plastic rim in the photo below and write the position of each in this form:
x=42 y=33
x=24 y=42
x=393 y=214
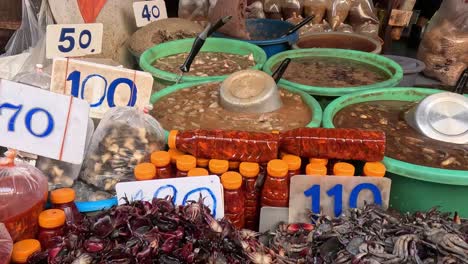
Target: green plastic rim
x=211 y=45
x=308 y=99
x=388 y=66
x=410 y=94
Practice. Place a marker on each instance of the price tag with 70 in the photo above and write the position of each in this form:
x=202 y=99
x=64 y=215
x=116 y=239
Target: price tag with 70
x=73 y=40
x=149 y=11
x=43 y=123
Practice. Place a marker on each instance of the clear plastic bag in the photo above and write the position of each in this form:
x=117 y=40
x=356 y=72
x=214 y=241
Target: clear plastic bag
x=291 y=7
x=368 y=29
x=337 y=12
x=362 y=11
x=23 y=194
x=87 y=193
x=255 y=10
x=37 y=78
x=272 y=9
x=6 y=245
x=236 y=27
x=194 y=9
x=63 y=174
x=444 y=46
x=316 y=8
x=345 y=28
x=125 y=137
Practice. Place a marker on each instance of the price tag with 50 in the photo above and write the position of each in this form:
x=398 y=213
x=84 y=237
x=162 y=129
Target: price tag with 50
x=149 y=11
x=101 y=85
x=73 y=40
x=43 y=123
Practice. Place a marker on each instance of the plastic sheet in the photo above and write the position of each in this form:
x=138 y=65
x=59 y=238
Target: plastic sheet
x=194 y=9
x=6 y=245
x=316 y=8
x=124 y=138
x=236 y=26
x=337 y=12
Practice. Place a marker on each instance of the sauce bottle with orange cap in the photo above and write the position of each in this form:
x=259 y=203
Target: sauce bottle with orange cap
x=233 y=198
x=145 y=171
x=162 y=161
x=175 y=154
x=64 y=199
x=343 y=169
x=24 y=249
x=234 y=165
x=218 y=167
x=276 y=189
x=202 y=163
x=249 y=172
x=184 y=164
x=198 y=172
x=374 y=169
x=294 y=164
x=51 y=224
x=316 y=169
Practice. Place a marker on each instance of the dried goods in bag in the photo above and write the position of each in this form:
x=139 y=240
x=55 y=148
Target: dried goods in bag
x=316 y=8
x=236 y=26
x=291 y=7
x=125 y=137
x=194 y=9
x=272 y=9
x=337 y=12
x=255 y=10
x=362 y=11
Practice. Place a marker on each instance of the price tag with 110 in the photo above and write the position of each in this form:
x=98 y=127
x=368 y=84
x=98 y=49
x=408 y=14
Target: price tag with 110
x=149 y=11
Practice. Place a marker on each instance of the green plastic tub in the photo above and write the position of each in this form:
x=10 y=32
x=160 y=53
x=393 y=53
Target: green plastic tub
x=414 y=187
x=326 y=94
x=309 y=100
x=164 y=78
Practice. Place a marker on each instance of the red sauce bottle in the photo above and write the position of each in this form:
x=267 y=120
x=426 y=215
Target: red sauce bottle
x=249 y=172
x=218 y=167
x=234 y=165
x=51 y=224
x=162 y=161
x=233 y=198
x=226 y=145
x=24 y=249
x=202 y=163
x=64 y=199
x=175 y=154
x=144 y=171
x=195 y=172
x=276 y=189
x=294 y=164
x=184 y=164
x=343 y=169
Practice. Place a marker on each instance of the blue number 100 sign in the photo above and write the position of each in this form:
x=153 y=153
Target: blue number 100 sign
x=28 y=119
x=78 y=90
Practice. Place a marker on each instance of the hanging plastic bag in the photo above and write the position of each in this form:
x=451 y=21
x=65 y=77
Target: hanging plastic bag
x=194 y=9
x=90 y=9
x=291 y=7
x=23 y=194
x=272 y=9
x=6 y=245
x=124 y=138
x=362 y=11
x=444 y=46
x=316 y=8
x=337 y=12
x=236 y=27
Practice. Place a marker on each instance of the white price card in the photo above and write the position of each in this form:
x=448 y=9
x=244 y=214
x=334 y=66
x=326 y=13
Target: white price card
x=73 y=40
x=333 y=195
x=149 y=11
x=101 y=85
x=43 y=123
x=182 y=190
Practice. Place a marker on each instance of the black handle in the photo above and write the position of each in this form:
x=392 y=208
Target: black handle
x=281 y=69
x=461 y=84
x=298 y=26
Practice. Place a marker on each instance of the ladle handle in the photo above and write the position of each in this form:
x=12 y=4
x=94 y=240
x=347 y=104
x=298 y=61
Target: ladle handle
x=280 y=70
x=461 y=84
x=298 y=26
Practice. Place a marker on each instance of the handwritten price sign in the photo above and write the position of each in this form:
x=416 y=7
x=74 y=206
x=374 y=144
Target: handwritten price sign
x=332 y=195
x=44 y=123
x=101 y=85
x=73 y=40
x=149 y=11
x=181 y=190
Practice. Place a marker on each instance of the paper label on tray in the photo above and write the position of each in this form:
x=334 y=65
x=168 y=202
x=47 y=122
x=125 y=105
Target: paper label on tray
x=101 y=85
x=149 y=11
x=181 y=190
x=43 y=123
x=332 y=195
x=73 y=40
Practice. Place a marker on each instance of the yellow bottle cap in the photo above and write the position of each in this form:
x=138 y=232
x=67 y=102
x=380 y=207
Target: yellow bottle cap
x=63 y=195
x=324 y=162
x=52 y=218
x=218 y=166
x=186 y=162
x=316 y=169
x=203 y=163
x=374 y=169
x=233 y=165
x=231 y=180
x=249 y=169
x=343 y=169
x=277 y=168
x=171 y=140
x=198 y=172
x=23 y=249
x=174 y=153
x=293 y=161
x=145 y=171
x=160 y=158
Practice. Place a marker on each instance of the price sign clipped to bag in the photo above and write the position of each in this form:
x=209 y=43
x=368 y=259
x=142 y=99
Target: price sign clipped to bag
x=149 y=11
x=44 y=123
x=182 y=191
x=73 y=40
x=333 y=195
x=101 y=85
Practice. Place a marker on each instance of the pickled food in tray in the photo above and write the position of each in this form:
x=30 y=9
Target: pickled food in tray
x=403 y=142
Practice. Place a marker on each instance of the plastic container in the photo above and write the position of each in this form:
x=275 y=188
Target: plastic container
x=162 y=161
x=195 y=172
x=164 y=78
x=326 y=94
x=51 y=223
x=145 y=171
x=23 y=249
x=294 y=164
x=233 y=198
x=339 y=40
x=249 y=172
x=374 y=169
x=316 y=169
x=410 y=182
x=411 y=69
x=275 y=190
x=64 y=199
x=218 y=167
x=343 y=169
x=184 y=164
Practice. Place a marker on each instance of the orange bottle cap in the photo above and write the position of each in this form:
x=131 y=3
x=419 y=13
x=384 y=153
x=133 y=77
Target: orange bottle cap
x=174 y=153
x=52 y=218
x=63 y=195
x=218 y=166
x=293 y=161
x=324 y=162
x=171 y=140
x=145 y=171
x=249 y=169
x=231 y=180
x=202 y=162
x=233 y=165
x=343 y=169
x=275 y=132
x=23 y=249
x=186 y=162
x=277 y=168
x=160 y=158
x=316 y=169
x=374 y=169
x=198 y=172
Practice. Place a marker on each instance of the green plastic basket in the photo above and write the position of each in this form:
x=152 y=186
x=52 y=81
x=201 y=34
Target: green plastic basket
x=165 y=78
x=414 y=187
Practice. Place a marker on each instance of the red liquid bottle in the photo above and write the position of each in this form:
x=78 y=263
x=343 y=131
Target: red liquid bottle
x=162 y=161
x=64 y=199
x=249 y=172
x=233 y=198
x=184 y=164
x=276 y=189
x=51 y=224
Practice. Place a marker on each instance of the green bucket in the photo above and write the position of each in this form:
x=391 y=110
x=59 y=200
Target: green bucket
x=309 y=100
x=164 y=78
x=414 y=187
x=326 y=94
